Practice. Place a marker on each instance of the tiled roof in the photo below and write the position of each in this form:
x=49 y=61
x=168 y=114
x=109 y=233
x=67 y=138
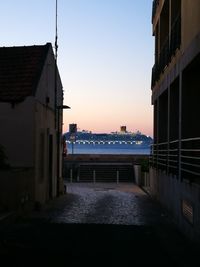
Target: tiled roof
x=20 y=70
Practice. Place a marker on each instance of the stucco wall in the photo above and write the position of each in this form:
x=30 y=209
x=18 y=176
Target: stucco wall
x=26 y=129
x=16 y=189
x=44 y=127
x=46 y=85
x=17 y=132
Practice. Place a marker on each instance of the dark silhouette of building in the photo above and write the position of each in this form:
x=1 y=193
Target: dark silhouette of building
x=31 y=123
x=175 y=163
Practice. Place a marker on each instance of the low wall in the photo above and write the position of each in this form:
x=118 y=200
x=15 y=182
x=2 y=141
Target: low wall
x=104 y=158
x=72 y=163
x=16 y=188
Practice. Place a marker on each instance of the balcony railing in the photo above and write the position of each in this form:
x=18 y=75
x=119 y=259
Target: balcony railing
x=161 y=63
x=164 y=55
x=155 y=75
x=190 y=157
x=165 y=156
x=175 y=35
x=167 y=50
x=158 y=157
x=173 y=156
x=179 y=158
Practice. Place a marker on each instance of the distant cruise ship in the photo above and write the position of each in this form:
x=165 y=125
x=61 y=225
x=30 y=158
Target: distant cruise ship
x=122 y=137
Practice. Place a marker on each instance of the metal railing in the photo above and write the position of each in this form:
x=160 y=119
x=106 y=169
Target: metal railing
x=178 y=157
x=164 y=54
x=190 y=157
x=160 y=155
x=168 y=49
x=173 y=156
x=162 y=62
x=154 y=75
x=175 y=37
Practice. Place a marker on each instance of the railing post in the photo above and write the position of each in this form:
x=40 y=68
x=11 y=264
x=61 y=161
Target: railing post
x=180 y=125
x=157 y=131
x=117 y=176
x=94 y=176
x=168 y=131
x=71 y=175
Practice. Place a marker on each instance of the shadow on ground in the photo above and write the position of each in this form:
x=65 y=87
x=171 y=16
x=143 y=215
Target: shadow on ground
x=35 y=242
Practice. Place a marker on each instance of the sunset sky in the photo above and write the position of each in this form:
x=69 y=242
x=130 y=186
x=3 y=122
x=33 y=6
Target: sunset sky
x=105 y=56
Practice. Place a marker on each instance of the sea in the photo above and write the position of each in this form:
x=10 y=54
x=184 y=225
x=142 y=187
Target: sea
x=117 y=149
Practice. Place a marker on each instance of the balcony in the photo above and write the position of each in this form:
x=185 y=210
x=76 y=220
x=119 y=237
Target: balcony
x=178 y=158
x=175 y=35
x=163 y=61
x=168 y=50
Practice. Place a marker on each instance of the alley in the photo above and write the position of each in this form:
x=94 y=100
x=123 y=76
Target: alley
x=104 y=203
x=98 y=224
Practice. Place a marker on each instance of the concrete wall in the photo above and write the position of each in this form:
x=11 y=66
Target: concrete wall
x=137 y=174
x=190 y=14
x=190 y=21
x=170 y=192
x=167 y=189
x=105 y=158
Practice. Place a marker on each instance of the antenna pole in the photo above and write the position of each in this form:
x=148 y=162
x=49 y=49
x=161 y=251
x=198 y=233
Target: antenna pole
x=56 y=38
x=56 y=55
x=57 y=113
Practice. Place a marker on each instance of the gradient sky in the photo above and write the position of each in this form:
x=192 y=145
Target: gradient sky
x=105 y=56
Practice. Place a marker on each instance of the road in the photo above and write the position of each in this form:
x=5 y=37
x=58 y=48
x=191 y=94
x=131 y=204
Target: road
x=95 y=224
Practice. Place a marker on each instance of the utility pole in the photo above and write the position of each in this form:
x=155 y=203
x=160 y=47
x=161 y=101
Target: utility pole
x=57 y=111
x=58 y=108
x=55 y=70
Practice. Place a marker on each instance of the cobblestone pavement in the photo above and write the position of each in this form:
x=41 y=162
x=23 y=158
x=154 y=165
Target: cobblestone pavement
x=98 y=224
x=101 y=203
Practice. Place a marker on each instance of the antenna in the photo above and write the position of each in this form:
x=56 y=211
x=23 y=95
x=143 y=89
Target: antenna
x=56 y=37
x=56 y=99
x=56 y=55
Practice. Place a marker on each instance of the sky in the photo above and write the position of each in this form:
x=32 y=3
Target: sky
x=105 y=57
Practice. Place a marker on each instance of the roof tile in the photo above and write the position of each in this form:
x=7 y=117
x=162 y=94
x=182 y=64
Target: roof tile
x=20 y=70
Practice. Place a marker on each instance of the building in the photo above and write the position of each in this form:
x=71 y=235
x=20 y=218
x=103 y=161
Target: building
x=175 y=163
x=31 y=101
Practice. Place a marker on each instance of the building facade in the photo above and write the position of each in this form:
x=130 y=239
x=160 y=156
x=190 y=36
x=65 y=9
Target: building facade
x=175 y=161
x=31 y=99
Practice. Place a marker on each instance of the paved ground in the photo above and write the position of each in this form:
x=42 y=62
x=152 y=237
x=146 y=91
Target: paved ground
x=101 y=224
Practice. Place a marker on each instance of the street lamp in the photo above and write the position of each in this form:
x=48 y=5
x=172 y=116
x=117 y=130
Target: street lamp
x=63 y=107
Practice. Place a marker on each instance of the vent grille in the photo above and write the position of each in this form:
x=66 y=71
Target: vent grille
x=187 y=210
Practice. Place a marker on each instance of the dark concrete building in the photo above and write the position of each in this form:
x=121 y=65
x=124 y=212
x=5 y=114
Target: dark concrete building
x=175 y=162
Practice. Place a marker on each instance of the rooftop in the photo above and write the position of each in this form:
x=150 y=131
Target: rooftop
x=20 y=70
